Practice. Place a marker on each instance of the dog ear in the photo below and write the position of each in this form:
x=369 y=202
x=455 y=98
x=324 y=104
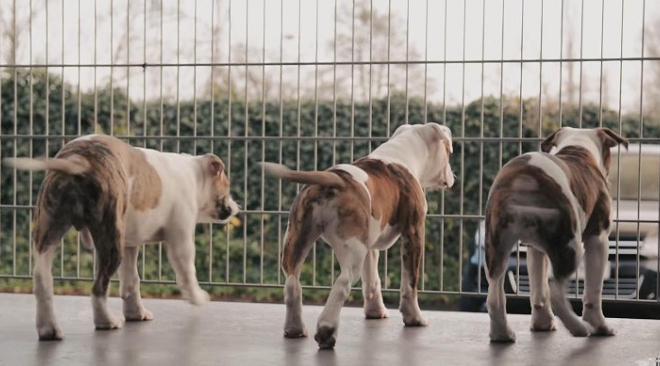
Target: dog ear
x=400 y=129
x=443 y=134
x=214 y=164
x=550 y=142
x=609 y=138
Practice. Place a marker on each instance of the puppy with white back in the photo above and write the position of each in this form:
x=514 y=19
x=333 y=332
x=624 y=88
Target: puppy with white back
x=119 y=197
x=557 y=203
x=360 y=209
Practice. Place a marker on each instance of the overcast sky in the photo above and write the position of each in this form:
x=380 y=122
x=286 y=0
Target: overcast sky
x=532 y=29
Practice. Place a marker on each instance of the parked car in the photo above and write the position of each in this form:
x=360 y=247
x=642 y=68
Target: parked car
x=633 y=249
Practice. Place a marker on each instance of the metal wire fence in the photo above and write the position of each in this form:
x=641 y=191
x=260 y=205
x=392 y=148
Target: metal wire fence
x=315 y=83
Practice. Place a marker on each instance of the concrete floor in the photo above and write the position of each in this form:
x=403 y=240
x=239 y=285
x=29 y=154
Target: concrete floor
x=223 y=333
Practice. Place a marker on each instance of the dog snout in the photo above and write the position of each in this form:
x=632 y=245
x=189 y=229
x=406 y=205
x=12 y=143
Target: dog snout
x=227 y=208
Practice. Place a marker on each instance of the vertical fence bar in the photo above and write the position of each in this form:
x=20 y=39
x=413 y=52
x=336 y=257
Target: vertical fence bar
x=128 y=68
x=389 y=115
x=212 y=103
x=245 y=142
x=161 y=129
x=178 y=76
x=618 y=178
x=78 y=122
x=31 y=122
x=2 y=52
x=263 y=143
x=481 y=144
x=444 y=122
x=639 y=166
x=426 y=115
x=461 y=198
x=602 y=42
x=195 y=83
x=581 y=71
x=15 y=141
x=316 y=110
x=112 y=68
x=145 y=132
x=561 y=64
x=229 y=133
x=280 y=144
x=334 y=121
x=405 y=93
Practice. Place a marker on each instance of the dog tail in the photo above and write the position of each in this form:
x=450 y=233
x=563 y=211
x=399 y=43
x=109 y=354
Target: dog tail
x=74 y=165
x=326 y=179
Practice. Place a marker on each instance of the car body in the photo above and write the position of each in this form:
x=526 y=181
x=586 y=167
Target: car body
x=633 y=247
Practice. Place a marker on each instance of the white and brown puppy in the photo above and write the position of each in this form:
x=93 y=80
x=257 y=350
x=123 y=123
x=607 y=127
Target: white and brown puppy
x=120 y=197
x=359 y=209
x=553 y=201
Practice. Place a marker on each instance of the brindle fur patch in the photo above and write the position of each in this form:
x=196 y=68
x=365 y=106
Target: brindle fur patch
x=512 y=188
x=147 y=187
x=589 y=186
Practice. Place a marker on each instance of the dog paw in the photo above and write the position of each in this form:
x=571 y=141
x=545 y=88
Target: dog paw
x=138 y=316
x=326 y=337
x=506 y=336
x=603 y=330
x=543 y=327
x=579 y=330
x=295 y=331
x=107 y=325
x=199 y=297
x=380 y=313
x=50 y=333
x=418 y=320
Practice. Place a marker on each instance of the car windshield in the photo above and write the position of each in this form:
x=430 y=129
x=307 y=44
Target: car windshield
x=627 y=184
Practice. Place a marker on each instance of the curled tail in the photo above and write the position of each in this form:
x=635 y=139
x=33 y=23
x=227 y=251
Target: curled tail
x=75 y=164
x=326 y=179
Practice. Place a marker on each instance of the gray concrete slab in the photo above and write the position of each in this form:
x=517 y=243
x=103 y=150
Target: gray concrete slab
x=224 y=333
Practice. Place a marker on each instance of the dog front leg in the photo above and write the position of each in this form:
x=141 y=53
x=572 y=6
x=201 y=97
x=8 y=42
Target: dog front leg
x=129 y=287
x=371 y=288
x=411 y=257
x=595 y=266
x=181 y=254
x=351 y=258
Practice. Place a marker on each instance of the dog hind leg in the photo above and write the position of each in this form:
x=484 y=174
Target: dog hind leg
x=498 y=249
x=129 y=287
x=560 y=304
x=537 y=266
x=108 y=239
x=595 y=264
x=411 y=256
x=47 y=237
x=297 y=245
x=350 y=255
x=374 y=308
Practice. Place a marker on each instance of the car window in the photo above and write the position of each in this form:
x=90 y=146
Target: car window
x=629 y=179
